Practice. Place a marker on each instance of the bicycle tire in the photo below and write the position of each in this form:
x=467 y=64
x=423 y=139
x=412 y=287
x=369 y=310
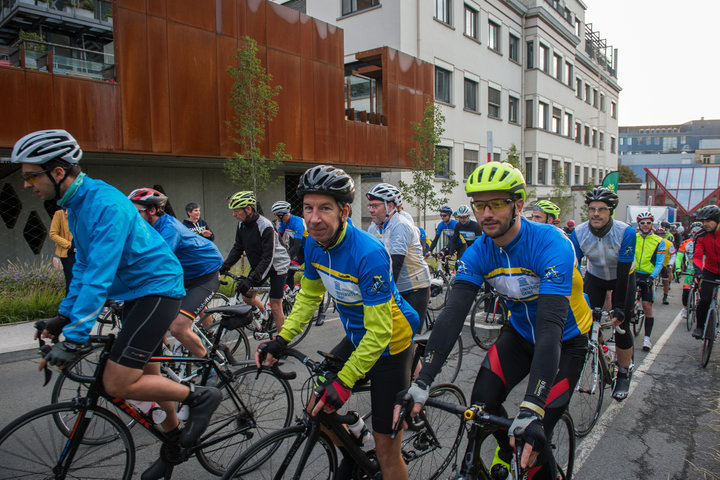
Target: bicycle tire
x=587 y=399
x=453 y=364
x=692 y=309
x=709 y=336
x=438 y=293
x=269 y=403
x=637 y=325
x=31 y=444
x=430 y=450
x=259 y=462
x=562 y=443
x=235 y=339
x=108 y=322
x=485 y=325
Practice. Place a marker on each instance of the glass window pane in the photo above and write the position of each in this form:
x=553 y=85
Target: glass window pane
x=673 y=178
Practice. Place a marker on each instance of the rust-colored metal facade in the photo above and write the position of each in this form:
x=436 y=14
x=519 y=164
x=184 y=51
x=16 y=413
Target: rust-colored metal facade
x=172 y=88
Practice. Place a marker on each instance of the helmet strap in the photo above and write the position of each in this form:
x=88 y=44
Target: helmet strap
x=58 y=195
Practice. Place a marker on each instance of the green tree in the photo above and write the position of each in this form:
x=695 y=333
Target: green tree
x=429 y=161
x=513 y=158
x=561 y=195
x=252 y=99
x=583 y=210
x=627 y=175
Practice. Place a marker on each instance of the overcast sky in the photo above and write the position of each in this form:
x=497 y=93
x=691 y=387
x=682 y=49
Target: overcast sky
x=669 y=57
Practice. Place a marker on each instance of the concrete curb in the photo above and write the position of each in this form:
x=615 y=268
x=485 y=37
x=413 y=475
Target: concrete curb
x=16 y=342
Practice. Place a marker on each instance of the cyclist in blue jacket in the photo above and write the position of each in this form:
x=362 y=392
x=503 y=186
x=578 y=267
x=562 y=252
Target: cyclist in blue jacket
x=118 y=256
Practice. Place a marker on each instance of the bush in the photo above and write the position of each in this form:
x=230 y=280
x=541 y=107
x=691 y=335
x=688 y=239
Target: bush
x=29 y=291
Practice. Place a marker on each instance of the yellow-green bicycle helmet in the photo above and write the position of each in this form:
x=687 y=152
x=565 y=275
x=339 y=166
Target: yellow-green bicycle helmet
x=241 y=200
x=496 y=177
x=548 y=207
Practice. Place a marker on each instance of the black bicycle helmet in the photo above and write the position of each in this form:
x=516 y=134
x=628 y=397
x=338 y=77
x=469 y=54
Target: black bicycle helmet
x=602 y=194
x=709 y=212
x=327 y=180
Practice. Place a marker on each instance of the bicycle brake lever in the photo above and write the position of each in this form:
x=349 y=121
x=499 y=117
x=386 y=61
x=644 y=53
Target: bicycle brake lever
x=401 y=418
x=44 y=350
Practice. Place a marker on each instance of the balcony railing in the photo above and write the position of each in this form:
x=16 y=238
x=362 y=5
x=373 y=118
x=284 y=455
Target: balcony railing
x=63 y=60
x=88 y=10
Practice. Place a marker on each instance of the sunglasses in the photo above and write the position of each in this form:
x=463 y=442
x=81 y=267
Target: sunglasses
x=598 y=209
x=444 y=215
x=32 y=177
x=645 y=223
x=496 y=204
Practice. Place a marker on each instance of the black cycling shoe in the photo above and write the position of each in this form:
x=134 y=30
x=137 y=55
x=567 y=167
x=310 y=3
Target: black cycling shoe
x=621 y=386
x=170 y=455
x=665 y=300
x=320 y=320
x=202 y=402
x=698 y=333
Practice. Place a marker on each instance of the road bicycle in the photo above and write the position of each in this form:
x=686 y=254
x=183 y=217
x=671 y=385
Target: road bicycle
x=481 y=445
x=308 y=451
x=711 y=325
x=637 y=317
x=441 y=279
x=692 y=302
x=599 y=370
x=487 y=317
x=99 y=444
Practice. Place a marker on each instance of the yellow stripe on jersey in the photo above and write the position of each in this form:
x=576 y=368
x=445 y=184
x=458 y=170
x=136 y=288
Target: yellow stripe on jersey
x=511 y=271
x=335 y=273
x=402 y=333
x=578 y=305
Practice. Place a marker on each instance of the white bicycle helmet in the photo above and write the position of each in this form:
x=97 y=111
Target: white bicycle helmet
x=281 y=208
x=463 y=211
x=42 y=146
x=384 y=192
x=645 y=216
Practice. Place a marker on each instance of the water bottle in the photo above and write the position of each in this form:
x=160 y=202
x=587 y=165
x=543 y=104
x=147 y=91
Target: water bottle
x=606 y=352
x=152 y=409
x=611 y=352
x=359 y=430
x=183 y=412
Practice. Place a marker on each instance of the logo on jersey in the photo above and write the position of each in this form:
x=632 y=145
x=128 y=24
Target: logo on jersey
x=628 y=251
x=553 y=275
x=378 y=286
x=462 y=268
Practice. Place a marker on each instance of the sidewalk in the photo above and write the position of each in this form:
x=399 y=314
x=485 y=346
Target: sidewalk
x=16 y=342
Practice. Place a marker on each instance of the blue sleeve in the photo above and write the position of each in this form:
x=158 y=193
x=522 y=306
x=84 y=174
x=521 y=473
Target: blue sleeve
x=439 y=228
x=627 y=247
x=659 y=259
x=310 y=272
x=299 y=228
x=469 y=265
x=578 y=251
x=555 y=264
x=375 y=280
x=98 y=268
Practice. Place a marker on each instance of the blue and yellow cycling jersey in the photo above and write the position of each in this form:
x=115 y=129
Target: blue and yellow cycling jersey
x=446 y=229
x=539 y=260
x=604 y=253
x=295 y=227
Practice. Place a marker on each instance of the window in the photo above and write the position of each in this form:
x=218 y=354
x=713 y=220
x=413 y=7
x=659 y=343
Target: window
x=556 y=120
x=578 y=132
x=528 y=170
x=513 y=106
x=588 y=98
x=594 y=138
x=577 y=175
x=557 y=66
x=602 y=102
x=493 y=36
x=352 y=6
x=443 y=84
x=530 y=55
x=602 y=141
x=471 y=89
x=612 y=144
x=544 y=59
x=529 y=114
x=585 y=172
x=443 y=169
x=568 y=125
x=543 y=116
x=567 y=171
x=513 y=47
x=542 y=171
x=578 y=88
x=593 y=176
x=493 y=103
x=471 y=22
x=496 y=157
x=578 y=28
x=568 y=74
x=595 y=101
x=442 y=11
x=587 y=135
x=556 y=172
x=470 y=162
x=613 y=109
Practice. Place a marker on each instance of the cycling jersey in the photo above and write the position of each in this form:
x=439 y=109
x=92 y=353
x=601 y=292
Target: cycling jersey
x=356 y=273
x=400 y=237
x=537 y=261
x=256 y=237
x=118 y=255
x=463 y=237
x=684 y=258
x=295 y=227
x=669 y=253
x=198 y=255
x=604 y=253
x=649 y=254
x=407 y=217
x=443 y=234
x=707 y=252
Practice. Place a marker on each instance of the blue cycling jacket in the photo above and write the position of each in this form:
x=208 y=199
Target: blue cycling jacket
x=118 y=255
x=198 y=255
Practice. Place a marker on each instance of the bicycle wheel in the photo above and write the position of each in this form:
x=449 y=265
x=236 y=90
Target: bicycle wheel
x=562 y=443
x=639 y=316
x=258 y=462
x=709 y=337
x=587 y=399
x=439 y=288
x=268 y=406
x=429 y=449
x=692 y=309
x=31 y=445
x=451 y=367
x=108 y=322
x=486 y=321
x=235 y=339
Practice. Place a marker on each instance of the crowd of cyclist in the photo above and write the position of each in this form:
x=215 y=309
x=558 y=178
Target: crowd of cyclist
x=129 y=249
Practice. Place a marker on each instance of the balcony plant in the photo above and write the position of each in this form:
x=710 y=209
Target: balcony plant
x=32 y=46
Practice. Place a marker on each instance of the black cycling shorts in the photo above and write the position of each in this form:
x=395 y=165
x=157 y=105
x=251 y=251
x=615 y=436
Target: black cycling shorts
x=198 y=293
x=145 y=321
x=418 y=300
x=389 y=376
x=664 y=272
x=647 y=289
x=596 y=290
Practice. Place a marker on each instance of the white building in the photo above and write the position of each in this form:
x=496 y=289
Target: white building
x=531 y=73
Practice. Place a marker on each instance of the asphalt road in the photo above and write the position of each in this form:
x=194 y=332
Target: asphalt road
x=669 y=427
